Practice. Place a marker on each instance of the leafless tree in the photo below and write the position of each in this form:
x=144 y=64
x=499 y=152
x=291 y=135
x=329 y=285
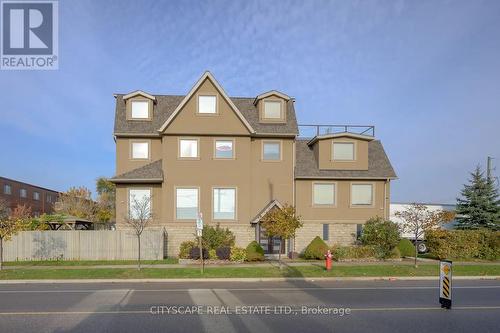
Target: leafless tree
x=138 y=219
x=417 y=218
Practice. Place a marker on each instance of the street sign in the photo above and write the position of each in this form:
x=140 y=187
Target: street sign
x=199 y=222
x=445 y=277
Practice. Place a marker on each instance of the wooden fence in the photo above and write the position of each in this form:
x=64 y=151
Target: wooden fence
x=83 y=245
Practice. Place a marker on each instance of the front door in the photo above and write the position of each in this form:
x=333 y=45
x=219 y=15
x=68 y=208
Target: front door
x=271 y=245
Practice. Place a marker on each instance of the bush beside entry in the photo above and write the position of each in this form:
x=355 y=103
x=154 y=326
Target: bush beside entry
x=316 y=249
x=406 y=248
x=255 y=252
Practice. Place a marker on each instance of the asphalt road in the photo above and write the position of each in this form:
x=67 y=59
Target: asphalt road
x=294 y=306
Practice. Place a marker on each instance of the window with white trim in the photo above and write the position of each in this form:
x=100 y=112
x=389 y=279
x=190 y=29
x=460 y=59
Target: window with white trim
x=7 y=189
x=271 y=151
x=362 y=194
x=140 y=150
x=224 y=149
x=224 y=200
x=23 y=193
x=323 y=194
x=188 y=148
x=343 y=151
x=207 y=104
x=139 y=203
x=36 y=196
x=272 y=110
x=139 y=109
x=186 y=200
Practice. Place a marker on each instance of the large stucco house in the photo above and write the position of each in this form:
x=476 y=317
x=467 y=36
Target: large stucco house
x=235 y=158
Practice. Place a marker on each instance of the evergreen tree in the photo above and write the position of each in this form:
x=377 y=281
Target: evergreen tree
x=479 y=206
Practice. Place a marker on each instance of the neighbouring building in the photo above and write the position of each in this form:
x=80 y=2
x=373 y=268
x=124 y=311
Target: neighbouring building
x=235 y=158
x=41 y=200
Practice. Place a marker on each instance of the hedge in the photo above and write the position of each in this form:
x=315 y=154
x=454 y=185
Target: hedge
x=406 y=248
x=463 y=244
x=255 y=252
x=353 y=252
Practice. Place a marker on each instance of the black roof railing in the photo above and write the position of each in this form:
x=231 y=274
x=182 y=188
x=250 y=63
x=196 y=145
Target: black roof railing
x=310 y=131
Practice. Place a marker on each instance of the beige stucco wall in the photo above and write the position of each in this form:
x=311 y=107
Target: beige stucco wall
x=189 y=121
x=342 y=211
x=339 y=234
x=325 y=155
x=124 y=161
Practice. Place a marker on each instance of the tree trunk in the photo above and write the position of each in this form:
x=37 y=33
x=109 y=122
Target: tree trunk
x=279 y=257
x=139 y=252
x=1 y=253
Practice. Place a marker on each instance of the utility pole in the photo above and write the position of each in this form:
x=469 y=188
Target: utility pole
x=489 y=167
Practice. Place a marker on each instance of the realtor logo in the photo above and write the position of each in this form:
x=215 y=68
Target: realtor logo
x=29 y=35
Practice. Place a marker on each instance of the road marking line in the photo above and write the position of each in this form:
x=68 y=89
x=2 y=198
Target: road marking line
x=240 y=289
x=148 y=312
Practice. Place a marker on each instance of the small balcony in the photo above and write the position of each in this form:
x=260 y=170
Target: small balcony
x=311 y=131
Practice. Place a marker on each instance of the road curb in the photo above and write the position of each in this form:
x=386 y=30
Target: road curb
x=309 y=279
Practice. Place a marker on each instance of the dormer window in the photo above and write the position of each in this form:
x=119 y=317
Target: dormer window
x=207 y=104
x=140 y=109
x=272 y=110
x=343 y=151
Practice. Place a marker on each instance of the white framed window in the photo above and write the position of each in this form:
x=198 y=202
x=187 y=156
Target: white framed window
x=323 y=194
x=271 y=151
x=186 y=201
x=224 y=201
x=272 y=110
x=139 y=203
x=140 y=110
x=140 y=150
x=207 y=104
x=224 y=149
x=36 y=196
x=362 y=194
x=188 y=148
x=7 y=189
x=23 y=193
x=343 y=151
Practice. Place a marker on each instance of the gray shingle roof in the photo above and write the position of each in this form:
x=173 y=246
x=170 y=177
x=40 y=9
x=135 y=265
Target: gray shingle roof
x=151 y=173
x=166 y=105
x=379 y=165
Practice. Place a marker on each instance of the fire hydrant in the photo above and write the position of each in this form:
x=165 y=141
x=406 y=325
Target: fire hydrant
x=328 y=260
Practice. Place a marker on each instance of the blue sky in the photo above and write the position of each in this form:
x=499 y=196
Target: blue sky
x=425 y=73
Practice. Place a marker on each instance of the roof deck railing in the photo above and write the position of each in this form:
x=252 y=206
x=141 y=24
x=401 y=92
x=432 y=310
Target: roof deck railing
x=310 y=131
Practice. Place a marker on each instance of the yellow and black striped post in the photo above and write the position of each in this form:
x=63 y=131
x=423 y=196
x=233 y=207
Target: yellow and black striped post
x=445 y=277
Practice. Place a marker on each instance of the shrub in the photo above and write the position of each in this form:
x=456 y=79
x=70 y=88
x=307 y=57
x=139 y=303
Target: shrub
x=255 y=252
x=238 y=254
x=195 y=253
x=293 y=255
x=316 y=249
x=185 y=249
x=215 y=237
x=212 y=254
x=463 y=244
x=406 y=248
x=353 y=252
x=223 y=253
x=382 y=234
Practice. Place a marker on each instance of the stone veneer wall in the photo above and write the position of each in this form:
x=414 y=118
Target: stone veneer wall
x=339 y=234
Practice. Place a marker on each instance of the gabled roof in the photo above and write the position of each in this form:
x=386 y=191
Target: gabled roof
x=166 y=104
x=263 y=212
x=271 y=93
x=379 y=166
x=149 y=173
x=340 y=135
x=205 y=76
x=138 y=92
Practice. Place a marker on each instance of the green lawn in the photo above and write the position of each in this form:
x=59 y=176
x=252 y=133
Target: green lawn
x=89 y=262
x=251 y=272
